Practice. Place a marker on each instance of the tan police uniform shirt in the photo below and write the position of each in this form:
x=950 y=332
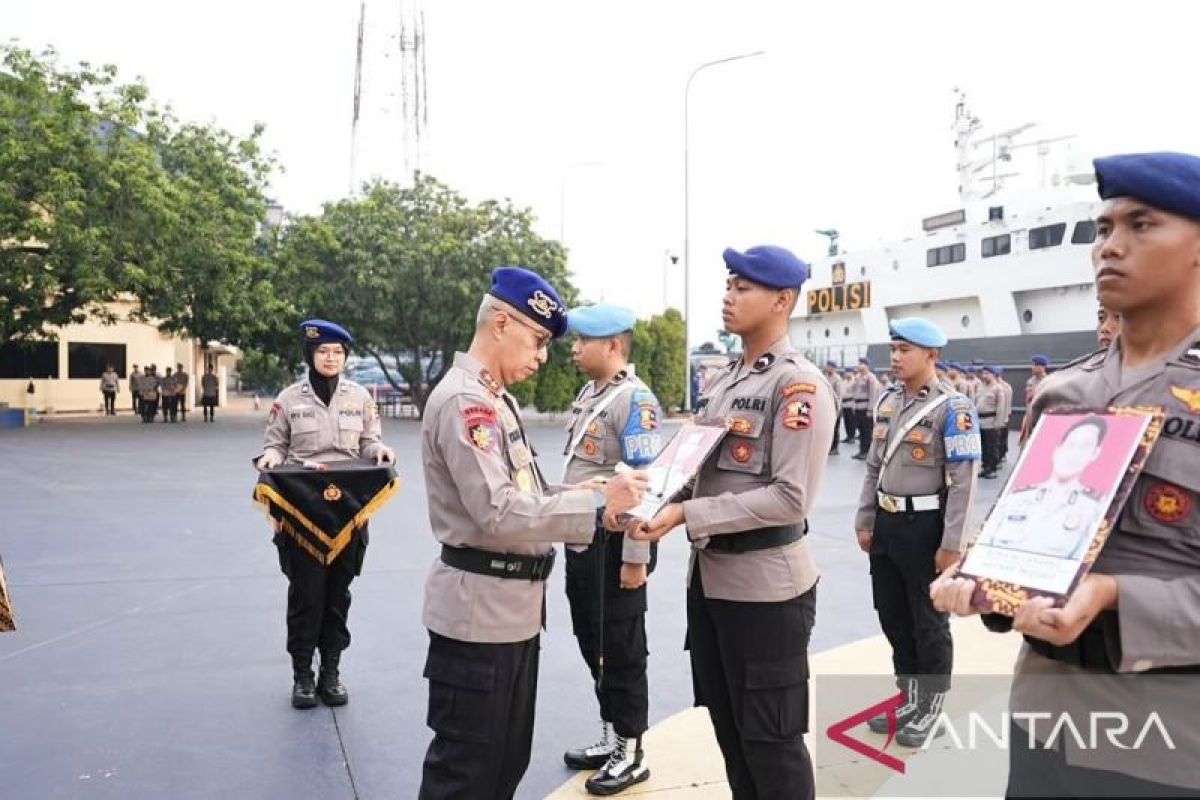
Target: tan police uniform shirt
x=989 y=402
x=613 y=436
x=181 y=385
x=939 y=455
x=1154 y=555
x=300 y=427
x=767 y=472
x=1006 y=392
x=835 y=385
x=486 y=491
x=148 y=387
x=1031 y=385
x=208 y=385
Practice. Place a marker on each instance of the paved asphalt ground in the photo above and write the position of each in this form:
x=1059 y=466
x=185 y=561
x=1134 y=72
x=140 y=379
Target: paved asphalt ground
x=149 y=659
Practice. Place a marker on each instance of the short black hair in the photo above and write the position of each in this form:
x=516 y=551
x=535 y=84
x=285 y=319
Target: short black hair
x=1090 y=422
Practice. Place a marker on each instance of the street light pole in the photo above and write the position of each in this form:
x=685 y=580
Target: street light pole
x=687 y=254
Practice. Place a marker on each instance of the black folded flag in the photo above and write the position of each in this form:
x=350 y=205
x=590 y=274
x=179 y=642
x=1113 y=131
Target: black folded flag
x=322 y=509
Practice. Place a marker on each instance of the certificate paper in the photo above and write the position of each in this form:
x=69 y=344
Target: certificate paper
x=1061 y=502
x=676 y=465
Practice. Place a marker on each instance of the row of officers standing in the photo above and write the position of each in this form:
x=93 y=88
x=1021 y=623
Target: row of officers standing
x=752 y=580
x=152 y=393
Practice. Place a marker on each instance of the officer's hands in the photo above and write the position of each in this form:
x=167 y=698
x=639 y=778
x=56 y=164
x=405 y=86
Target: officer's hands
x=592 y=484
x=633 y=576
x=1060 y=626
x=666 y=520
x=625 y=491
x=384 y=455
x=266 y=461
x=864 y=540
x=951 y=594
x=944 y=559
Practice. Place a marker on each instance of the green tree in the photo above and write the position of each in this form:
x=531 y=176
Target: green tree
x=558 y=380
x=665 y=373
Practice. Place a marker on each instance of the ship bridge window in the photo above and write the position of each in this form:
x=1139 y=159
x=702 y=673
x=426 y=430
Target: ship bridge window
x=1047 y=236
x=946 y=254
x=1084 y=232
x=996 y=245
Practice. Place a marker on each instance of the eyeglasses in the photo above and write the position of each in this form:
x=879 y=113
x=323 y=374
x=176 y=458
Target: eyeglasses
x=543 y=338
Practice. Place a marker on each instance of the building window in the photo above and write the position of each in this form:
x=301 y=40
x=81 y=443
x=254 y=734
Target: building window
x=1047 y=236
x=1027 y=316
x=995 y=213
x=88 y=359
x=965 y=321
x=996 y=245
x=845 y=331
x=946 y=254
x=827 y=333
x=1084 y=232
x=29 y=360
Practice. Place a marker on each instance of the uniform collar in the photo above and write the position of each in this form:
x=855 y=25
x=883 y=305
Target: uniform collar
x=472 y=367
x=616 y=380
x=779 y=348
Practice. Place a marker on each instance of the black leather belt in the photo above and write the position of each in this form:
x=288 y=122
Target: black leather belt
x=1091 y=652
x=760 y=539
x=499 y=565
x=989 y=414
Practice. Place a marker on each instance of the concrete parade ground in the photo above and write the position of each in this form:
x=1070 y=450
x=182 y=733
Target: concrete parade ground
x=149 y=657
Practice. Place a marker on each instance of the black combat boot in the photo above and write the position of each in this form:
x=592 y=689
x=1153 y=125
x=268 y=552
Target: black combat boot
x=330 y=689
x=907 y=710
x=304 y=689
x=922 y=725
x=594 y=756
x=623 y=769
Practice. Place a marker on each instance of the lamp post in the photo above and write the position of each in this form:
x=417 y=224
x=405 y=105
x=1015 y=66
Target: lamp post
x=687 y=259
x=562 y=195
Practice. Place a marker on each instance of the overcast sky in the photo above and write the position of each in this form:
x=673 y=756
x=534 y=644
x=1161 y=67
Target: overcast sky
x=846 y=122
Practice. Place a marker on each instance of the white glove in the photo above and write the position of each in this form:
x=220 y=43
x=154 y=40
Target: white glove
x=385 y=454
x=266 y=461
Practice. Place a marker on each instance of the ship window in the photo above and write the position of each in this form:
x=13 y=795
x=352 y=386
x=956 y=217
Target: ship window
x=1047 y=236
x=33 y=360
x=1084 y=233
x=946 y=254
x=996 y=245
x=966 y=321
x=827 y=333
x=1027 y=316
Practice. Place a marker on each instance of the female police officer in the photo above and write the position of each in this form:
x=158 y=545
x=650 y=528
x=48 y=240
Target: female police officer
x=322 y=418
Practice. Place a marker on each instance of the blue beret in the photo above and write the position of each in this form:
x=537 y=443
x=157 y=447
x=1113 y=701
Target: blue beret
x=529 y=293
x=831 y=364
x=918 y=331
x=865 y=361
x=989 y=368
x=319 y=331
x=602 y=319
x=942 y=365
x=1041 y=361
x=771 y=266
x=1167 y=181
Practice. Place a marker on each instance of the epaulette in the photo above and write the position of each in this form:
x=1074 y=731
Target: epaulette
x=1190 y=357
x=1092 y=360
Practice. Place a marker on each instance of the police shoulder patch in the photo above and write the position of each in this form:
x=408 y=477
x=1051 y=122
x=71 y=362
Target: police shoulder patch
x=960 y=432
x=799 y=388
x=480 y=426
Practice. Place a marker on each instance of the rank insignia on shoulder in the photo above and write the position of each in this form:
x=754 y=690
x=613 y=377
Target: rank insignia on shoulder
x=764 y=361
x=1189 y=397
x=489 y=382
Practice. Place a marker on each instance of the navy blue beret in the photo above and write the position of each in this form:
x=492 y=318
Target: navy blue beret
x=319 y=331
x=918 y=331
x=1167 y=181
x=942 y=365
x=768 y=265
x=530 y=294
x=989 y=368
x=1041 y=360
x=831 y=364
x=602 y=319
x=865 y=361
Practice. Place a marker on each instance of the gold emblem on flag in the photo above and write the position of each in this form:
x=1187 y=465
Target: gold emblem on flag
x=332 y=493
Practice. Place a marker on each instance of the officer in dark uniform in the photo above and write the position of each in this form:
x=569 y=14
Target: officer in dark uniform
x=323 y=418
x=1127 y=639
x=495 y=516
x=752 y=586
x=913 y=516
x=615 y=420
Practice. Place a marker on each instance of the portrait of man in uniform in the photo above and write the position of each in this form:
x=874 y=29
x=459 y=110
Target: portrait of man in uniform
x=1048 y=515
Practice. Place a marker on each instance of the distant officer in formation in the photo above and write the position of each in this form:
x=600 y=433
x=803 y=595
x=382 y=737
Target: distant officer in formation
x=1040 y=364
x=752 y=587
x=989 y=402
x=1108 y=327
x=181 y=387
x=1054 y=517
x=1136 y=612
x=148 y=388
x=913 y=518
x=209 y=390
x=322 y=418
x=135 y=377
x=169 y=393
x=957 y=377
x=496 y=517
x=866 y=393
x=835 y=383
x=615 y=419
x=849 y=419
x=1005 y=414
x=110 y=384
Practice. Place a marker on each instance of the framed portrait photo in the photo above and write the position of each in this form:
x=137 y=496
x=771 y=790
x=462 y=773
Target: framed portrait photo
x=1059 y=505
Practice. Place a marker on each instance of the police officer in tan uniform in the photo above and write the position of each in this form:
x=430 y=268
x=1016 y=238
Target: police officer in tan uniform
x=1005 y=415
x=752 y=585
x=615 y=420
x=913 y=517
x=849 y=420
x=323 y=418
x=866 y=392
x=1136 y=612
x=181 y=386
x=989 y=402
x=835 y=383
x=496 y=516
